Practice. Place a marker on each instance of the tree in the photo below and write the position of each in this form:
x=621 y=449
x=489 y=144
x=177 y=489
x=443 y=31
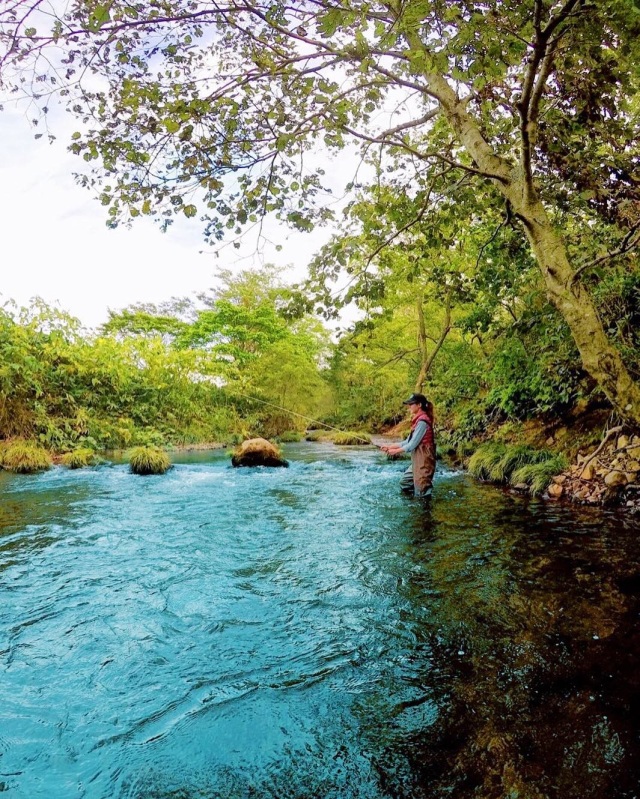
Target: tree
x=211 y=107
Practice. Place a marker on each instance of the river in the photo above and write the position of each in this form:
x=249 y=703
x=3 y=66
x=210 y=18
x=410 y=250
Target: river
x=310 y=633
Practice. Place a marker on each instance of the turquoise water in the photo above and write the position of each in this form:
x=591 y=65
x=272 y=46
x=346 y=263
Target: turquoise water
x=309 y=632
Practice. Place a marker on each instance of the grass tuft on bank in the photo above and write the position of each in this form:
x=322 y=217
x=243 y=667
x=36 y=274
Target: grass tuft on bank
x=24 y=457
x=516 y=464
x=538 y=476
x=351 y=439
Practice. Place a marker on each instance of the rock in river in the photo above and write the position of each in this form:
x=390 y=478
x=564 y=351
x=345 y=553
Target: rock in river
x=257 y=452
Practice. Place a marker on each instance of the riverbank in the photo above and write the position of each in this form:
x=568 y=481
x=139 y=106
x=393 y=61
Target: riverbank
x=596 y=464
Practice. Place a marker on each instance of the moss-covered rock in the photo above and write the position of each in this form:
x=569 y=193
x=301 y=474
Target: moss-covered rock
x=257 y=452
x=25 y=457
x=149 y=460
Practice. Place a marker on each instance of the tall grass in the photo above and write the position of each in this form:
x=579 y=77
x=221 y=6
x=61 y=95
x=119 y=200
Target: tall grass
x=149 y=460
x=25 y=457
x=516 y=464
x=483 y=463
x=538 y=475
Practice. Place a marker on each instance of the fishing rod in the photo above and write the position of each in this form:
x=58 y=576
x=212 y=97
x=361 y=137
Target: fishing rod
x=306 y=418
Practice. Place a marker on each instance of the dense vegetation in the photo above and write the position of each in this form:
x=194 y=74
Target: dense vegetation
x=488 y=240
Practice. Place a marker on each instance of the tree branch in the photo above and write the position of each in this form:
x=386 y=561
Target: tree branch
x=628 y=243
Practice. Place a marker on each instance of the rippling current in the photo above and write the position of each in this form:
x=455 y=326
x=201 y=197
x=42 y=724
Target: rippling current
x=303 y=633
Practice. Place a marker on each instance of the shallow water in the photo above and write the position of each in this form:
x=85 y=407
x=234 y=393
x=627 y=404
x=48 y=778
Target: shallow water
x=309 y=632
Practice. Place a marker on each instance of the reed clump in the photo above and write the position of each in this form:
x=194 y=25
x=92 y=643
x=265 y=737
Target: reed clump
x=516 y=464
x=80 y=458
x=289 y=437
x=351 y=439
x=149 y=460
x=319 y=435
x=25 y=457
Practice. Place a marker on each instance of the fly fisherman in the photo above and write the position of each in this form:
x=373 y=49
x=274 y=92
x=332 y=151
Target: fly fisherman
x=421 y=444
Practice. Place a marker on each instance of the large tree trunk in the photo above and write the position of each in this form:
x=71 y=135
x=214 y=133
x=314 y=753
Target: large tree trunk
x=599 y=357
x=426 y=359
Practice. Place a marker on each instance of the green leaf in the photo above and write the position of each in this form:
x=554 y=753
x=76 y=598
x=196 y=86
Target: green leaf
x=172 y=125
x=101 y=15
x=190 y=210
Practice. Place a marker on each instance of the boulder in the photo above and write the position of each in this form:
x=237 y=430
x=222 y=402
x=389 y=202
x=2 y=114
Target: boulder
x=589 y=472
x=555 y=490
x=257 y=452
x=614 y=479
x=623 y=442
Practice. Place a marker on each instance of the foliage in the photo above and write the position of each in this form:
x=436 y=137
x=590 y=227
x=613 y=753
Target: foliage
x=145 y=386
x=526 y=112
x=25 y=457
x=149 y=460
x=79 y=458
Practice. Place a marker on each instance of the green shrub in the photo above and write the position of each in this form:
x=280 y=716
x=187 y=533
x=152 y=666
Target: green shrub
x=79 y=458
x=351 y=439
x=25 y=457
x=538 y=475
x=149 y=460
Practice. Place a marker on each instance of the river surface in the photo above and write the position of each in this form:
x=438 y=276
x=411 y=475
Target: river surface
x=310 y=633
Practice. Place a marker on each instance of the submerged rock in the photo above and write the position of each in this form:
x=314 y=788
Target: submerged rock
x=257 y=452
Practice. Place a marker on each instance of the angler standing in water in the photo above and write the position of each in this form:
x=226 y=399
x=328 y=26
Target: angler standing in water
x=421 y=444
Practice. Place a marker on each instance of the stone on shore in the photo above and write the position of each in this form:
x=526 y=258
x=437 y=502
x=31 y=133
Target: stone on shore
x=257 y=452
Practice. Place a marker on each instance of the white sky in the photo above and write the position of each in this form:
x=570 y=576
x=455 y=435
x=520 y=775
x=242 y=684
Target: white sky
x=55 y=243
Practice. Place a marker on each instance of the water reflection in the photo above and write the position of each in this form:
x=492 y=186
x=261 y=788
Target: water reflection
x=533 y=626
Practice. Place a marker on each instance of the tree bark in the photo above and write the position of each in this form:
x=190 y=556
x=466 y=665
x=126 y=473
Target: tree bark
x=599 y=357
x=426 y=359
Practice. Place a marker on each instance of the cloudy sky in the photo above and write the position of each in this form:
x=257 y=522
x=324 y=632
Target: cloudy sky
x=55 y=243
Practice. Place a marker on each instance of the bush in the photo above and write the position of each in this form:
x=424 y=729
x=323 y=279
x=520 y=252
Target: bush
x=349 y=439
x=538 y=475
x=149 y=460
x=79 y=458
x=25 y=457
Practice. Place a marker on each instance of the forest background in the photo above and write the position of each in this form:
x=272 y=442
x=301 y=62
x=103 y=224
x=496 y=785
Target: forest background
x=488 y=241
